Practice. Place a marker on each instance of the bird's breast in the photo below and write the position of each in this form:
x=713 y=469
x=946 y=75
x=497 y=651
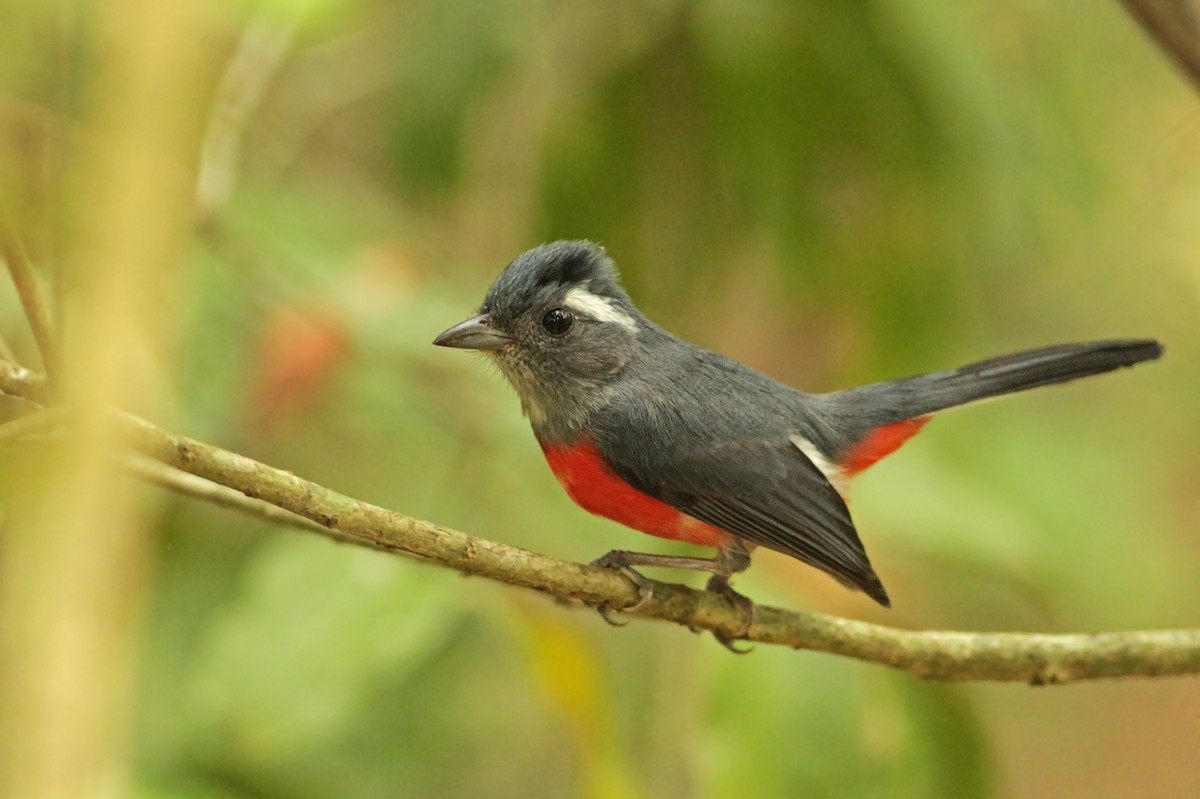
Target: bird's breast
x=597 y=488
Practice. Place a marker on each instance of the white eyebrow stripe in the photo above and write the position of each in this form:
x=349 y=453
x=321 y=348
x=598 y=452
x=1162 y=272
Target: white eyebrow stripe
x=602 y=309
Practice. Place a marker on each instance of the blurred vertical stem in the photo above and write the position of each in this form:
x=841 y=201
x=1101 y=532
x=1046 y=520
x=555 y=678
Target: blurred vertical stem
x=12 y=253
x=74 y=551
x=1175 y=25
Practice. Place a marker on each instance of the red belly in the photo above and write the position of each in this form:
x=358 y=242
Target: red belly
x=595 y=487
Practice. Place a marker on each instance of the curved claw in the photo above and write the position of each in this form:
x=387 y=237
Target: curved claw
x=730 y=644
x=606 y=613
x=645 y=591
x=645 y=587
x=719 y=584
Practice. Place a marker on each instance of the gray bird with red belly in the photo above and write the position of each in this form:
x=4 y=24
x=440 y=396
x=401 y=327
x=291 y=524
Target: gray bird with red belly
x=679 y=442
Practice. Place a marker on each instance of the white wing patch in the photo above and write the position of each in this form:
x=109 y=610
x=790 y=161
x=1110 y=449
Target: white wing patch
x=602 y=309
x=833 y=473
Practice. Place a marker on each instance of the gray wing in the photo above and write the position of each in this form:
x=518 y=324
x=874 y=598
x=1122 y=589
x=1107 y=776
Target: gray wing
x=761 y=489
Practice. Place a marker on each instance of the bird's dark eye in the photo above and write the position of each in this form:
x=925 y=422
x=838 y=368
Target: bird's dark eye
x=558 y=321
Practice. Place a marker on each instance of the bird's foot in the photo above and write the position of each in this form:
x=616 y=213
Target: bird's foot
x=719 y=584
x=617 y=561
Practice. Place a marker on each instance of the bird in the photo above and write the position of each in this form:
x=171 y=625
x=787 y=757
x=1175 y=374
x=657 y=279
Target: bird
x=677 y=441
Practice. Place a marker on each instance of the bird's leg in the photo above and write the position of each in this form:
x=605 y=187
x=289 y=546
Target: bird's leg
x=730 y=559
x=620 y=560
x=623 y=561
x=733 y=558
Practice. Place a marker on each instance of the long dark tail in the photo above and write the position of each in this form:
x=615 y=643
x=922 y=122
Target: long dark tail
x=863 y=409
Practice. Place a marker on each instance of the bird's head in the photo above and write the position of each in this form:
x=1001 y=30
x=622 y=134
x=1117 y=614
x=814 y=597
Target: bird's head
x=560 y=327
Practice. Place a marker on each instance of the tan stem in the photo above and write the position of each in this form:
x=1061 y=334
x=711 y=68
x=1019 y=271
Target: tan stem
x=932 y=655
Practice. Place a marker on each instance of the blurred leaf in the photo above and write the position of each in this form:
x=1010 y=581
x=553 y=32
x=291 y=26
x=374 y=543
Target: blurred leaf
x=787 y=723
x=292 y=662
x=566 y=669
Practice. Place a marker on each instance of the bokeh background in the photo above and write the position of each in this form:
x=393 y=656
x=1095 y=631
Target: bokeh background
x=833 y=193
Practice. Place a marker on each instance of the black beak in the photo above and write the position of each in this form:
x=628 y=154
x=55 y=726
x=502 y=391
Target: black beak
x=473 y=334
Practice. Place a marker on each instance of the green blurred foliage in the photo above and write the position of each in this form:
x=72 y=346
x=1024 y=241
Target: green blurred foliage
x=833 y=192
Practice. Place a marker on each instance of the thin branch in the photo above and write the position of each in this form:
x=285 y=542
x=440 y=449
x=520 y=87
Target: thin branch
x=1175 y=25
x=189 y=485
x=6 y=352
x=949 y=656
x=30 y=424
x=17 y=381
x=15 y=258
x=259 y=55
